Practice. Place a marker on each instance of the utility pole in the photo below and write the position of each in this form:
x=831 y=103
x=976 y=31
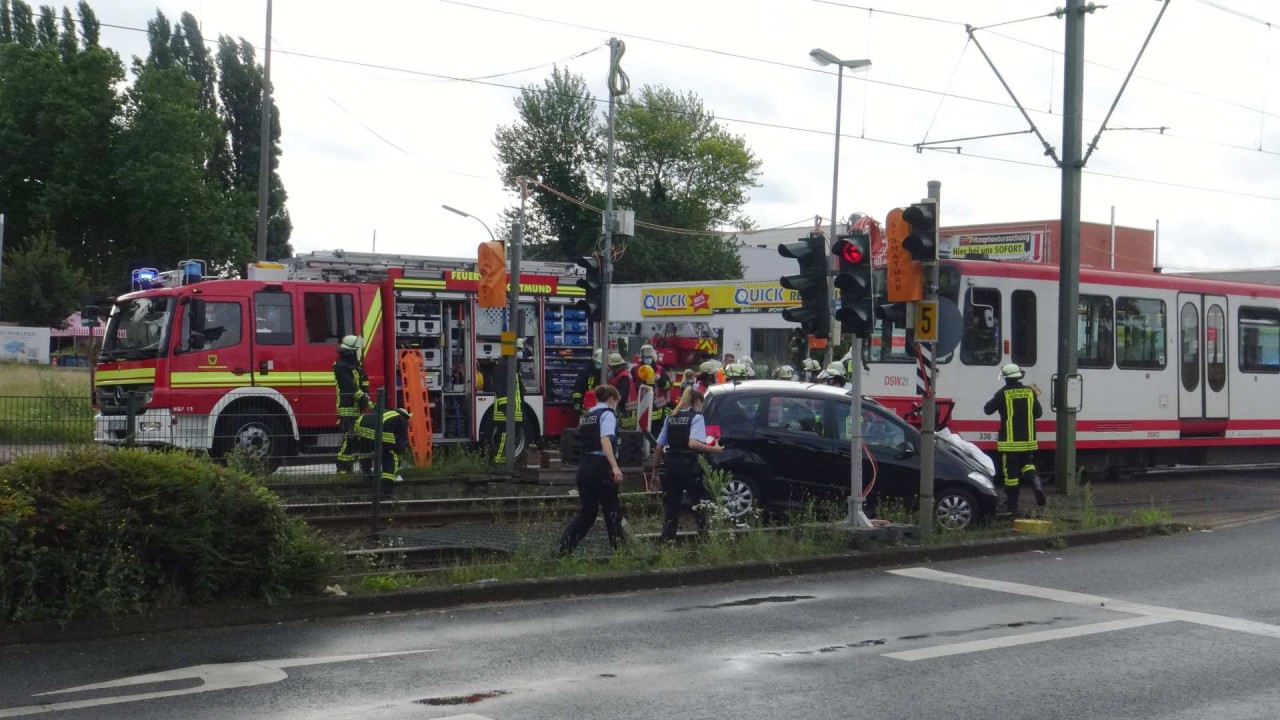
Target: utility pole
x=1069 y=257
x=264 y=147
x=929 y=409
x=606 y=262
x=512 y=352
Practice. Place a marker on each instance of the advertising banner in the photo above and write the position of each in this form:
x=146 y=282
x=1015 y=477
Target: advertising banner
x=22 y=344
x=1018 y=246
x=716 y=298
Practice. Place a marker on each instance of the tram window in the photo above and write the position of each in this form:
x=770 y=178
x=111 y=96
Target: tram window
x=980 y=344
x=1190 y=319
x=1140 y=334
x=1022 y=318
x=1096 y=340
x=1215 y=348
x=1259 y=340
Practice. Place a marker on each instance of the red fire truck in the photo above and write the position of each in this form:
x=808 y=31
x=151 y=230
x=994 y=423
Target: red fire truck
x=246 y=364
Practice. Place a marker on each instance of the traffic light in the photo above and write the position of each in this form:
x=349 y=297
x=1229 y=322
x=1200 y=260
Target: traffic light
x=922 y=243
x=853 y=280
x=814 y=313
x=593 y=284
x=893 y=313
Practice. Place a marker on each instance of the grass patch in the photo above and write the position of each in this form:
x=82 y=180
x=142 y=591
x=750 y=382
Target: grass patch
x=44 y=405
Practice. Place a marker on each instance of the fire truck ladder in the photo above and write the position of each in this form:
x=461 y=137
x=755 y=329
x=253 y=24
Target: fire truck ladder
x=414 y=394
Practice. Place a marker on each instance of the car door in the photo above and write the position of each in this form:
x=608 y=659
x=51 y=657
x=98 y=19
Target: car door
x=891 y=461
x=795 y=444
x=212 y=352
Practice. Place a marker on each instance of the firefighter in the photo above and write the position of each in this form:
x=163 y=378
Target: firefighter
x=736 y=372
x=598 y=475
x=622 y=381
x=500 y=407
x=587 y=380
x=394 y=427
x=835 y=375
x=784 y=372
x=1019 y=408
x=353 y=396
x=683 y=437
x=661 y=388
x=709 y=374
x=810 y=368
x=751 y=366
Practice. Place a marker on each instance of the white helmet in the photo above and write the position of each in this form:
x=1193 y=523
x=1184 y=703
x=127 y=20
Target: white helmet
x=647 y=351
x=810 y=365
x=1011 y=372
x=615 y=360
x=783 y=372
x=709 y=366
x=351 y=342
x=597 y=356
x=736 y=371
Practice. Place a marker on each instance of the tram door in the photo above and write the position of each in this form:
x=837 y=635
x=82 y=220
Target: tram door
x=1202 y=357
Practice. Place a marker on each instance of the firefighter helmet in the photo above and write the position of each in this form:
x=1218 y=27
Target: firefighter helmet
x=597 y=356
x=835 y=369
x=783 y=372
x=810 y=365
x=352 y=343
x=736 y=371
x=1011 y=372
x=615 y=360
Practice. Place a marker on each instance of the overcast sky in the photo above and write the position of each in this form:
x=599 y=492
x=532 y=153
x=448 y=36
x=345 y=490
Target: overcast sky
x=1211 y=76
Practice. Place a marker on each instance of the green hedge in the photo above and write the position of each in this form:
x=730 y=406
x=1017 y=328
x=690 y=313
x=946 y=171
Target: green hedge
x=106 y=532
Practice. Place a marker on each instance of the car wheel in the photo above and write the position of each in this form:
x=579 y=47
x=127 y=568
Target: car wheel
x=955 y=509
x=739 y=497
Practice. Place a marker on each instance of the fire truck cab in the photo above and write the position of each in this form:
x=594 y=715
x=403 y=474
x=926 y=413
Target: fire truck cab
x=227 y=364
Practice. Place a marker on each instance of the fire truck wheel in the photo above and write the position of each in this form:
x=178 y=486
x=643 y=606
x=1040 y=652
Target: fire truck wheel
x=259 y=436
x=491 y=431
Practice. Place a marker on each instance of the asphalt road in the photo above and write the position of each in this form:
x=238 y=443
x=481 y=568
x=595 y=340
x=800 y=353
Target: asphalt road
x=1168 y=627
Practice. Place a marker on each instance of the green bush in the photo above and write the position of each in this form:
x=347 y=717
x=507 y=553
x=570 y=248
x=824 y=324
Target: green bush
x=100 y=531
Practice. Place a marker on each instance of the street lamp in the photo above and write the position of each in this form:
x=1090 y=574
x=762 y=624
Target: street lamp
x=857 y=517
x=456 y=211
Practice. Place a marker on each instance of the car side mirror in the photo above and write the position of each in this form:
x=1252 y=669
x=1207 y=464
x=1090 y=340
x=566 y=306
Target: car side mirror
x=195 y=341
x=906 y=450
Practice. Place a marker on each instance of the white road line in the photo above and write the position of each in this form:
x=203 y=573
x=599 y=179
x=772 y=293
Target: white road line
x=1024 y=639
x=1095 y=601
x=223 y=676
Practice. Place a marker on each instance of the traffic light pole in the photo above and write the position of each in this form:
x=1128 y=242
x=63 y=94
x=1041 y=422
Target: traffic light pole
x=857 y=518
x=606 y=262
x=929 y=409
x=513 y=316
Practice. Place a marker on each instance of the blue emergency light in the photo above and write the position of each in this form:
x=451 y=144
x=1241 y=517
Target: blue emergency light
x=145 y=278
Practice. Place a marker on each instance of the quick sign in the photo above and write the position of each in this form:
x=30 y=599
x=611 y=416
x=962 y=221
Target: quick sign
x=719 y=298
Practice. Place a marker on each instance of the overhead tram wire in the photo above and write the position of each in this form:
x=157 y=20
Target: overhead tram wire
x=758 y=123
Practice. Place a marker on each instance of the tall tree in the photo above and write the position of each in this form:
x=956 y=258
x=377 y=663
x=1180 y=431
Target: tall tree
x=160 y=36
x=675 y=166
x=6 y=23
x=556 y=136
x=164 y=185
x=89 y=25
x=24 y=24
x=67 y=42
x=47 y=27
x=41 y=286
x=240 y=90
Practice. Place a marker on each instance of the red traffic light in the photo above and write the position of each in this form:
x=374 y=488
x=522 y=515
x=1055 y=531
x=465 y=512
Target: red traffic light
x=851 y=253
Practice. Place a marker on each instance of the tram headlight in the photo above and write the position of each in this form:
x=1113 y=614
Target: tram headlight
x=982 y=479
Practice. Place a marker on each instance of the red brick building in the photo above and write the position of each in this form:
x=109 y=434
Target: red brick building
x=1040 y=242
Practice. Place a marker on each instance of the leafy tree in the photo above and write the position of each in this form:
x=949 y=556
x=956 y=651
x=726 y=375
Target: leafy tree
x=41 y=286
x=240 y=90
x=67 y=42
x=89 y=25
x=557 y=138
x=6 y=24
x=675 y=167
x=47 y=27
x=24 y=24
x=164 y=186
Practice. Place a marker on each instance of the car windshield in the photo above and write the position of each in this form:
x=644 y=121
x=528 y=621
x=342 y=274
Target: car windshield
x=137 y=329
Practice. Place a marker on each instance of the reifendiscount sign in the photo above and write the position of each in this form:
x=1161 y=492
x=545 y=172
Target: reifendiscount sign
x=716 y=298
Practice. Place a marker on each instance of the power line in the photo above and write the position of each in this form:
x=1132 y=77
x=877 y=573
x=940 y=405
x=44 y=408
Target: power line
x=1237 y=13
x=759 y=123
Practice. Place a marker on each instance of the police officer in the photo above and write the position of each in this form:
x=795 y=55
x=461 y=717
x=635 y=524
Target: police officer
x=353 y=396
x=784 y=372
x=598 y=475
x=586 y=383
x=394 y=428
x=500 y=407
x=1019 y=408
x=682 y=437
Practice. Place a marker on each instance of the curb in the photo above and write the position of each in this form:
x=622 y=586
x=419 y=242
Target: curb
x=230 y=615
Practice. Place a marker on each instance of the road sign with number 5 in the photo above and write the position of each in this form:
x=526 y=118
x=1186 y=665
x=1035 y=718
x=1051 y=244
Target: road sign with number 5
x=927 y=321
